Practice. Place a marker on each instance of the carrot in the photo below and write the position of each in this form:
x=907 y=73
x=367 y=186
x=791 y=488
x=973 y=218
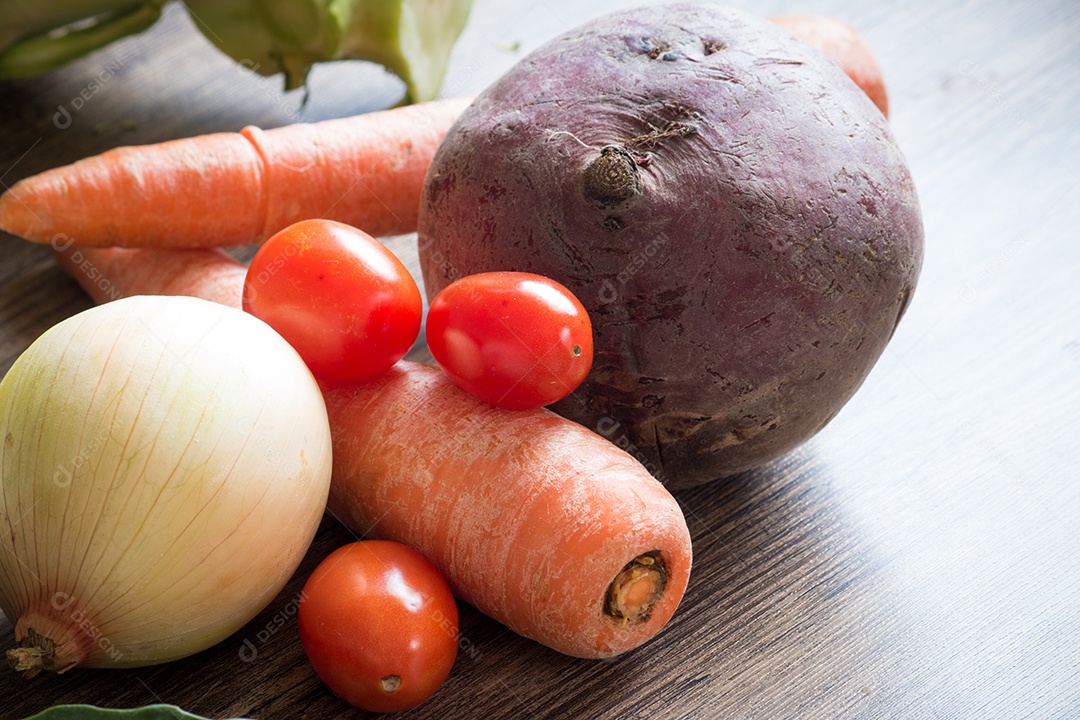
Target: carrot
x=239 y=188
x=533 y=519
x=112 y=273
x=844 y=46
x=536 y=521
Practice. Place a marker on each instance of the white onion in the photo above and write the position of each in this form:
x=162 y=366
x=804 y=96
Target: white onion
x=166 y=462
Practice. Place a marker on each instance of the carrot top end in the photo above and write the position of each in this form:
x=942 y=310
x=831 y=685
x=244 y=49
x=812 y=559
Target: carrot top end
x=637 y=588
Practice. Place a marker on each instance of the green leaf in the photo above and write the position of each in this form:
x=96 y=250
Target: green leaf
x=89 y=712
x=410 y=38
x=47 y=51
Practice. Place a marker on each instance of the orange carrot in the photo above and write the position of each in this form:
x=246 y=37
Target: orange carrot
x=844 y=46
x=535 y=520
x=239 y=188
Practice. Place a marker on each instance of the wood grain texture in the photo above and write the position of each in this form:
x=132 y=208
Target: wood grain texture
x=918 y=559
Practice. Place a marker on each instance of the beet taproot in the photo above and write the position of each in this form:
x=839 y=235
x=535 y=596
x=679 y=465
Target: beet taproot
x=730 y=207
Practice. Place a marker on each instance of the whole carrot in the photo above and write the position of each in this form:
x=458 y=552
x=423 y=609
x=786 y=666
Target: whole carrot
x=844 y=46
x=238 y=188
x=535 y=520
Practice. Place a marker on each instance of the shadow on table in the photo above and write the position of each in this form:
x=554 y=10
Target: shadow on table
x=784 y=615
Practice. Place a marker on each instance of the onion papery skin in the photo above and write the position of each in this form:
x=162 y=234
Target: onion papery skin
x=166 y=462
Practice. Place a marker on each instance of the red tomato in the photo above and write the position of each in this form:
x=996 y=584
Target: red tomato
x=516 y=340
x=379 y=624
x=342 y=299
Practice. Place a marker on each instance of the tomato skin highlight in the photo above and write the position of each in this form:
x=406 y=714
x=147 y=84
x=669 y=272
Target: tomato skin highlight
x=516 y=340
x=345 y=302
x=379 y=625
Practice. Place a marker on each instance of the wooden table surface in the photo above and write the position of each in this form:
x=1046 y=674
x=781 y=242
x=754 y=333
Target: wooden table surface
x=920 y=558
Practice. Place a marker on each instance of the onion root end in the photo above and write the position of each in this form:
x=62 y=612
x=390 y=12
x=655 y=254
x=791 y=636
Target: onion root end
x=35 y=653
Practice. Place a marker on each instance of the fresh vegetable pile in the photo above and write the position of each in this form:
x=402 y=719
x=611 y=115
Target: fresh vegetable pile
x=711 y=286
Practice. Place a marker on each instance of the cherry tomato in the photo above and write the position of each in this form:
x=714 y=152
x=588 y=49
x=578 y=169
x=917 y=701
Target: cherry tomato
x=379 y=624
x=342 y=299
x=516 y=340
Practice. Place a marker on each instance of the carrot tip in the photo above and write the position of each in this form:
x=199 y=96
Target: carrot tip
x=637 y=587
x=15 y=217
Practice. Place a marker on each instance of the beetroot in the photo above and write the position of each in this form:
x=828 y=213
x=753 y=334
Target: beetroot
x=729 y=206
